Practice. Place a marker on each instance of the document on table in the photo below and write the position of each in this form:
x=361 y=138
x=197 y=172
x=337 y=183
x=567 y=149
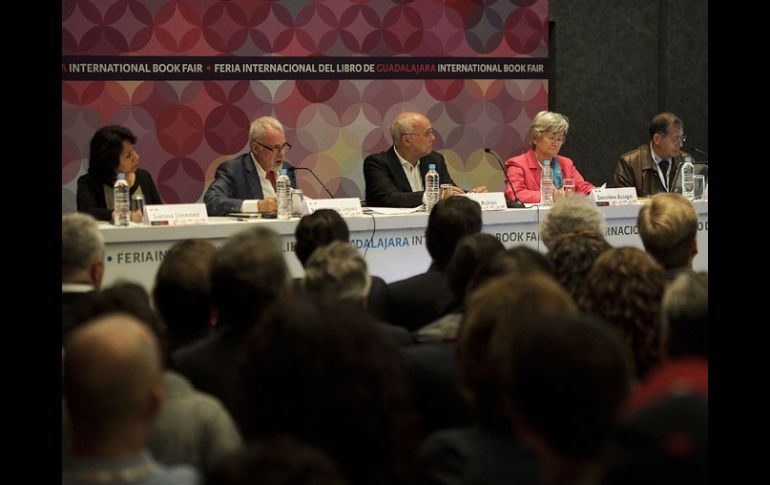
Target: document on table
x=392 y=210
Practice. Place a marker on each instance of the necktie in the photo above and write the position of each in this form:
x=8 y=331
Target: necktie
x=271 y=178
x=664 y=167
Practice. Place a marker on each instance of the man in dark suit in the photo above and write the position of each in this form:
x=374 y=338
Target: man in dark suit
x=247 y=183
x=652 y=167
x=82 y=263
x=395 y=178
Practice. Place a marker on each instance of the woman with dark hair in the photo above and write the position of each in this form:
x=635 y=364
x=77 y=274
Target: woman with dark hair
x=112 y=152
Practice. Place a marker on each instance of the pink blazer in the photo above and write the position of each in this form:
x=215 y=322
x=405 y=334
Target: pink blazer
x=524 y=172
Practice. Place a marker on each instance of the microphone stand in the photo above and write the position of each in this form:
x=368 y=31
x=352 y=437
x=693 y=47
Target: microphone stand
x=511 y=204
x=292 y=169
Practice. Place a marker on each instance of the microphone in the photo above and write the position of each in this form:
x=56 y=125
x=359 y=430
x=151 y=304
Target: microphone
x=292 y=169
x=511 y=204
x=695 y=149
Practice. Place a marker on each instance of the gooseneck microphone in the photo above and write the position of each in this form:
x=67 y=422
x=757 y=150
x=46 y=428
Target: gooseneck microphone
x=292 y=169
x=511 y=204
x=691 y=148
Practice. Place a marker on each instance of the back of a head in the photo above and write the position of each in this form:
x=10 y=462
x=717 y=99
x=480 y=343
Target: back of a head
x=567 y=378
x=124 y=297
x=248 y=273
x=338 y=272
x=182 y=291
x=575 y=214
x=668 y=226
x=625 y=288
x=82 y=244
x=283 y=460
x=572 y=257
x=449 y=221
x=493 y=313
x=519 y=260
x=665 y=443
x=685 y=314
x=470 y=252
x=111 y=367
x=322 y=372
x=318 y=229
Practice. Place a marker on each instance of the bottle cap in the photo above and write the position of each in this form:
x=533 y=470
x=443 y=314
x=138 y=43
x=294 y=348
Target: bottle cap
x=284 y=171
x=431 y=166
x=121 y=176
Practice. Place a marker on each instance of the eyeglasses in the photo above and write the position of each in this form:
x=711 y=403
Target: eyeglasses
x=285 y=147
x=679 y=139
x=427 y=134
x=555 y=138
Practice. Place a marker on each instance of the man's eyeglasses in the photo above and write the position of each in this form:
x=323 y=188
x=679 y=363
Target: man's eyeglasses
x=285 y=147
x=427 y=134
x=679 y=139
x=555 y=138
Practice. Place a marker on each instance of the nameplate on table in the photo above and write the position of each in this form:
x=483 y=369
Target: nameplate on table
x=617 y=196
x=489 y=201
x=346 y=207
x=175 y=214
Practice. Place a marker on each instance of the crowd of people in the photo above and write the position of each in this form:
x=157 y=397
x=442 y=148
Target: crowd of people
x=580 y=365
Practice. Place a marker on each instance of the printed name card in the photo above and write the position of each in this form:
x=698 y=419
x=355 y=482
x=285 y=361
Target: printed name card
x=489 y=201
x=175 y=214
x=346 y=207
x=617 y=196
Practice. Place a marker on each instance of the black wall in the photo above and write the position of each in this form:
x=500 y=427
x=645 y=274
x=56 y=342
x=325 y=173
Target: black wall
x=615 y=64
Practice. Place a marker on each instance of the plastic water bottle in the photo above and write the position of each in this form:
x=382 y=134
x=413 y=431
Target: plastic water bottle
x=688 y=178
x=546 y=185
x=283 y=191
x=121 y=202
x=431 y=187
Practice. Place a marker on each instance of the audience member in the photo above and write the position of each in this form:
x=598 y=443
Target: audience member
x=277 y=461
x=248 y=273
x=192 y=427
x=396 y=177
x=470 y=252
x=570 y=216
x=337 y=274
x=82 y=263
x=182 y=291
x=323 y=374
x=625 y=288
x=421 y=299
x=652 y=167
x=668 y=226
x=547 y=135
x=247 y=183
x=567 y=377
x=321 y=228
x=572 y=256
x=685 y=316
x=113 y=152
x=488 y=452
x=112 y=384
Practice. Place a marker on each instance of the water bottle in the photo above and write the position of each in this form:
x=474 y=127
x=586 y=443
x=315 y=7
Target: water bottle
x=546 y=185
x=121 y=202
x=431 y=187
x=688 y=178
x=283 y=191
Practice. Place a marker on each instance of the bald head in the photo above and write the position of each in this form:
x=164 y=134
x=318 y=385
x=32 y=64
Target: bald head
x=112 y=371
x=412 y=135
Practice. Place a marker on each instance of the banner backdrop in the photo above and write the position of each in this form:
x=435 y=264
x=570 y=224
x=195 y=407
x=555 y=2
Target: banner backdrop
x=187 y=77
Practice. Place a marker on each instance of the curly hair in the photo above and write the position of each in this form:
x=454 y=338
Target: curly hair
x=569 y=215
x=572 y=256
x=625 y=287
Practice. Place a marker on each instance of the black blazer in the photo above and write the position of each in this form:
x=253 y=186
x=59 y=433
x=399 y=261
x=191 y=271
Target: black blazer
x=236 y=180
x=90 y=194
x=386 y=182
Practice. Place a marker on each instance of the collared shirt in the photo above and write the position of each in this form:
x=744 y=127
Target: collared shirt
x=251 y=205
x=76 y=288
x=412 y=172
x=657 y=160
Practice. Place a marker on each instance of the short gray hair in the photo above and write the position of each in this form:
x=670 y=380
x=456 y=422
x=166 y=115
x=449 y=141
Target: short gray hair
x=547 y=121
x=571 y=215
x=258 y=126
x=338 y=271
x=82 y=243
x=402 y=125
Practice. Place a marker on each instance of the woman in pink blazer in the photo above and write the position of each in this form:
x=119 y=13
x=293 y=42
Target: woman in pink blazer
x=546 y=136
